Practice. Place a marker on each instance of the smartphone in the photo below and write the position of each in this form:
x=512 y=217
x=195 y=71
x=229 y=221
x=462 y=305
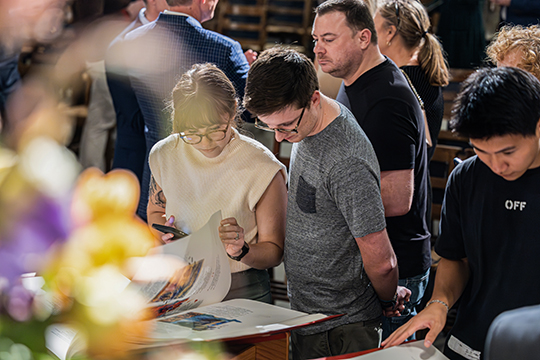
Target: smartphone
x=178 y=234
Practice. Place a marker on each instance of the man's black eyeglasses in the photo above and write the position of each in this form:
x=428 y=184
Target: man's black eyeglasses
x=261 y=125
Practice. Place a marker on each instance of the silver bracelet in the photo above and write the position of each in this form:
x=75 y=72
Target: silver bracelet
x=440 y=302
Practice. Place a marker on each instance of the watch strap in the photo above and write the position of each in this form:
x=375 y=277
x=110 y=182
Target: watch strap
x=386 y=304
x=245 y=250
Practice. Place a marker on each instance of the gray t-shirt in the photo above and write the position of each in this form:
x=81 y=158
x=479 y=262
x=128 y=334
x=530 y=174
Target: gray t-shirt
x=334 y=197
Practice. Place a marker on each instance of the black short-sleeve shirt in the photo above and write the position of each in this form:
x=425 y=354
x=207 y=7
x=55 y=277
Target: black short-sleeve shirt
x=388 y=112
x=494 y=224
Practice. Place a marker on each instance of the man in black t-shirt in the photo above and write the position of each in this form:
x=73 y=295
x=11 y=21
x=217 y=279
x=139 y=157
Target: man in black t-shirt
x=489 y=241
x=385 y=107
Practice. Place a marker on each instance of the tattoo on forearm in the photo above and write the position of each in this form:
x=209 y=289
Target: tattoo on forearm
x=156 y=196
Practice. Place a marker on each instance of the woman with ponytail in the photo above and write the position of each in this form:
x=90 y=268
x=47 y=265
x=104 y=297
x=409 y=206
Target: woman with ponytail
x=403 y=31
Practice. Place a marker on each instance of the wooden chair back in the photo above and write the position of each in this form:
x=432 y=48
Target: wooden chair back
x=244 y=21
x=441 y=166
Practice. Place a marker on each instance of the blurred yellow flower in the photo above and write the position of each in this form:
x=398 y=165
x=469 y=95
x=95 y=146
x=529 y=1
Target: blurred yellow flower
x=105 y=196
x=91 y=270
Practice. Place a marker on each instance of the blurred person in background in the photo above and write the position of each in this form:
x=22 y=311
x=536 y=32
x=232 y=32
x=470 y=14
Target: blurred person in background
x=23 y=22
x=461 y=31
x=206 y=165
x=9 y=79
x=519 y=12
x=130 y=143
x=403 y=31
x=517 y=46
x=96 y=29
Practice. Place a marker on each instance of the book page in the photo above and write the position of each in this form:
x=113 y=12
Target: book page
x=230 y=319
x=408 y=351
x=187 y=273
x=62 y=341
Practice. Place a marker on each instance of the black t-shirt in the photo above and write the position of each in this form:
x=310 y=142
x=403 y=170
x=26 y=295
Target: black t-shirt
x=433 y=102
x=494 y=224
x=389 y=113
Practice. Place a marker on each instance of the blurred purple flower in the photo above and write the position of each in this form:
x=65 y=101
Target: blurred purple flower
x=26 y=243
x=19 y=303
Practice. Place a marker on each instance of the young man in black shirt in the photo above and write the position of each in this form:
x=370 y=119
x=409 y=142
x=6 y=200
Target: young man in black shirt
x=489 y=241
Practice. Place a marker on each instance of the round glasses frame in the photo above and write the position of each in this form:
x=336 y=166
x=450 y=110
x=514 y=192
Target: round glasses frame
x=212 y=135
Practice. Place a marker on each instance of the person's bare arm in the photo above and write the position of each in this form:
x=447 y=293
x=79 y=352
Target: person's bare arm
x=270 y=214
x=397 y=189
x=450 y=281
x=380 y=263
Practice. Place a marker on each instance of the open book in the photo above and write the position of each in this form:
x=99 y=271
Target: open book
x=184 y=283
x=229 y=320
x=414 y=350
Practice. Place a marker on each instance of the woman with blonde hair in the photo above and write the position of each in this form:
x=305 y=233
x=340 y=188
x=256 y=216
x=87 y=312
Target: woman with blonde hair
x=517 y=46
x=206 y=165
x=403 y=31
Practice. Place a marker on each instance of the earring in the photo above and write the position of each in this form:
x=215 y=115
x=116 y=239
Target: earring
x=388 y=43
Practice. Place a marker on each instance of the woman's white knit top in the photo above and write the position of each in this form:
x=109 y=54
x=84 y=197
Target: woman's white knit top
x=196 y=186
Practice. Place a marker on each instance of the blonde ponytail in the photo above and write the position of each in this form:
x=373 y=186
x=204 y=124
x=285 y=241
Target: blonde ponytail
x=413 y=28
x=432 y=61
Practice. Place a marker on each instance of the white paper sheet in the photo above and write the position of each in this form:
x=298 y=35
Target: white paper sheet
x=407 y=351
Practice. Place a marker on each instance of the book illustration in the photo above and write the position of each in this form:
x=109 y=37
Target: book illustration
x=167 y=309
x=198 y=321
x=180 y=284
x=183 y=275
x=230 y=319
x=207 y=277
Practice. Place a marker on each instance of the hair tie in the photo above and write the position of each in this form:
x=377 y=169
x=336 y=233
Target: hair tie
x=424 y=34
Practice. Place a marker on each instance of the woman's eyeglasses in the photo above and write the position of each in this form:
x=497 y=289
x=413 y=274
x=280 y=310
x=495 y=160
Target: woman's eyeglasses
x=212 y=135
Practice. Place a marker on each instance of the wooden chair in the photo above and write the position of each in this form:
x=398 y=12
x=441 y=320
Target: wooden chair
x=457 y=76
x=289 y=21
x=441 y=166
x=251 y=21
x=278 y=288
x=244 y=21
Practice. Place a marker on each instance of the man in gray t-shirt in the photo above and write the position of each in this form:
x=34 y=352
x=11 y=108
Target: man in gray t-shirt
x=338 y=258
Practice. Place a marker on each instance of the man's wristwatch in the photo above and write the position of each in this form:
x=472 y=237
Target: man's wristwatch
x=245 y=250
x=386 y=304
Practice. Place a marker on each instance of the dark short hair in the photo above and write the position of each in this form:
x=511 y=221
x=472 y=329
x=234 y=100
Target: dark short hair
x=497 y=102
x=357 y=14
x=279 y=78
